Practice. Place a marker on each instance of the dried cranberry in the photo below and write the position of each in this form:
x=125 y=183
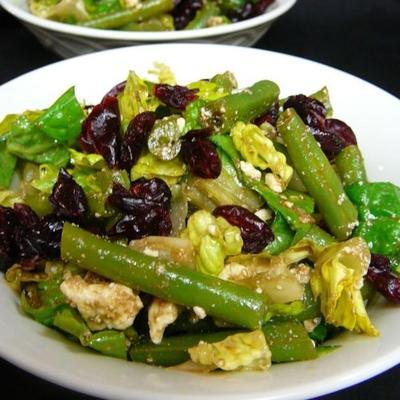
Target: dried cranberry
x=156 y=221
x=310 y=110
x=383 y=279
x=145 y=206
x=330 y=144
x=185 y=11
x=143 y=195
x=152 y=191
x=255 y=232
x=271 y=116
x=25 y=215
x=200 y=154
x=341 y=130
x=68 y=198
x=135 y=139
x=174 y=96
x=100 y=130
x=243 y=13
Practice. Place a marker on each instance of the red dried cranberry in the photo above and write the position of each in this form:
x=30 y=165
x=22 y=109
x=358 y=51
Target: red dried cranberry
x=330 y=144
x=143 y=195
x=68 y=198
x=135 y=139
x=271 y=116
x=174 y=96
x=340 y=129
x=156 y=221
x=200 y=154
x=146 y=207
x=310 y=110
x=152 y=191
x=25 y=215
x=243 y=13
x=184 y=11
x=383 y=279
x=254 y=231
x=100 y=130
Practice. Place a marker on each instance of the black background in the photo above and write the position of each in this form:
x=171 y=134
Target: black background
x=361 y=37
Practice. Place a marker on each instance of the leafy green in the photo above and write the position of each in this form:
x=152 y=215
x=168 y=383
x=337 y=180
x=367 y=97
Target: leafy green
x=59 y=10
x=63 y=120
x=283 y=235
x=28 y=142
x=96 y=7
x=8 y=198
x=91 y=160
x=8 y=163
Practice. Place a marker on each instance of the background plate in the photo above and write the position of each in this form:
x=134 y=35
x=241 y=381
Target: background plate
x=362 y=105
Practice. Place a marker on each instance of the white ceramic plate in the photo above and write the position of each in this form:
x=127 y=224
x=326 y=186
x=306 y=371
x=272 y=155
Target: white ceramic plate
x=71 y=40
x=371 y=112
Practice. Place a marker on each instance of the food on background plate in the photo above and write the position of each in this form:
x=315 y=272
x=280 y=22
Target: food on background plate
x=200 y=226
x=148 y=15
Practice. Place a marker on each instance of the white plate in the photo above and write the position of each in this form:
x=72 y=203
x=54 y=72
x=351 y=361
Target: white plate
x=371 y=112
x=70 y=40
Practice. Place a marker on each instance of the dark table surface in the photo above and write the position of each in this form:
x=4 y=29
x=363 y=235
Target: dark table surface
x=361 y=37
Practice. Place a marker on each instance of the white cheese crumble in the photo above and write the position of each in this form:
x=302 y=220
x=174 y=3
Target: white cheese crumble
x=102 y=305
x=161 y=314
x=250 y=171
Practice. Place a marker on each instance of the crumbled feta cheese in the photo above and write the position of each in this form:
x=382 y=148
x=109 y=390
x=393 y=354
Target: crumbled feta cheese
x=302 y=272
x=161 y=314
x=150 y=252
x=250 y=171
x=102 y=305
x=273 y=182
x=234 y=271
x=200 y=312
x=310 y=324
x=264 y=213
x=131 y=3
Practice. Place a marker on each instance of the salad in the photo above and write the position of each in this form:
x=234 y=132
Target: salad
x=201 y=227
x=148 y=15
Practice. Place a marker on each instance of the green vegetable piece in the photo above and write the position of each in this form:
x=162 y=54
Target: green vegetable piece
x=163 y=22
x=63 y=120
x=258 y=150
x=289 y=341
x=95 y=161
x=47 y=178
x=8 y=198
x=110 y=343
x=26 y=141
x=98 y=7
x=243 y=351
x=8 y=163
x=163 y=73
x=6 y=124
x=150 y=166
x=283 y=236
x=169 y=281
x=300 y=200
x=69 y=320
x=64 y=9
x=232 y=5
x=318 y=175
x=192 y=114
x=164 y=139
x=323 y=96
x=135 y=99
x=320 y=333
x=225 y=81
x=172 y=350
x=144 y=10
x=378 y=199
x=213 y=239
x=350 y=165
x=222 y=114
x=382 y=235
x=207 y=90
x=337 y=279
x=206 y=16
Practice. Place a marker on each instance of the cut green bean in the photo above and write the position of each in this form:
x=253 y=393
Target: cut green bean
x=244 y=106
x=222 y=299
x=318 y=175
x=350 y=165
x=203 y=16
x=141 y=12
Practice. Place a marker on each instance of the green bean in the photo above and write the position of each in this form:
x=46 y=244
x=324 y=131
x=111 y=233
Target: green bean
x=141 y=12
x=244 y=106
x=164 y=22
x=288 y=341
x=323 y=96
x=350 y=165
x=318 y=175
x=203 y=16
x=283 y=236
x=109 y=342
x=69 y=320
x=222 y=299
